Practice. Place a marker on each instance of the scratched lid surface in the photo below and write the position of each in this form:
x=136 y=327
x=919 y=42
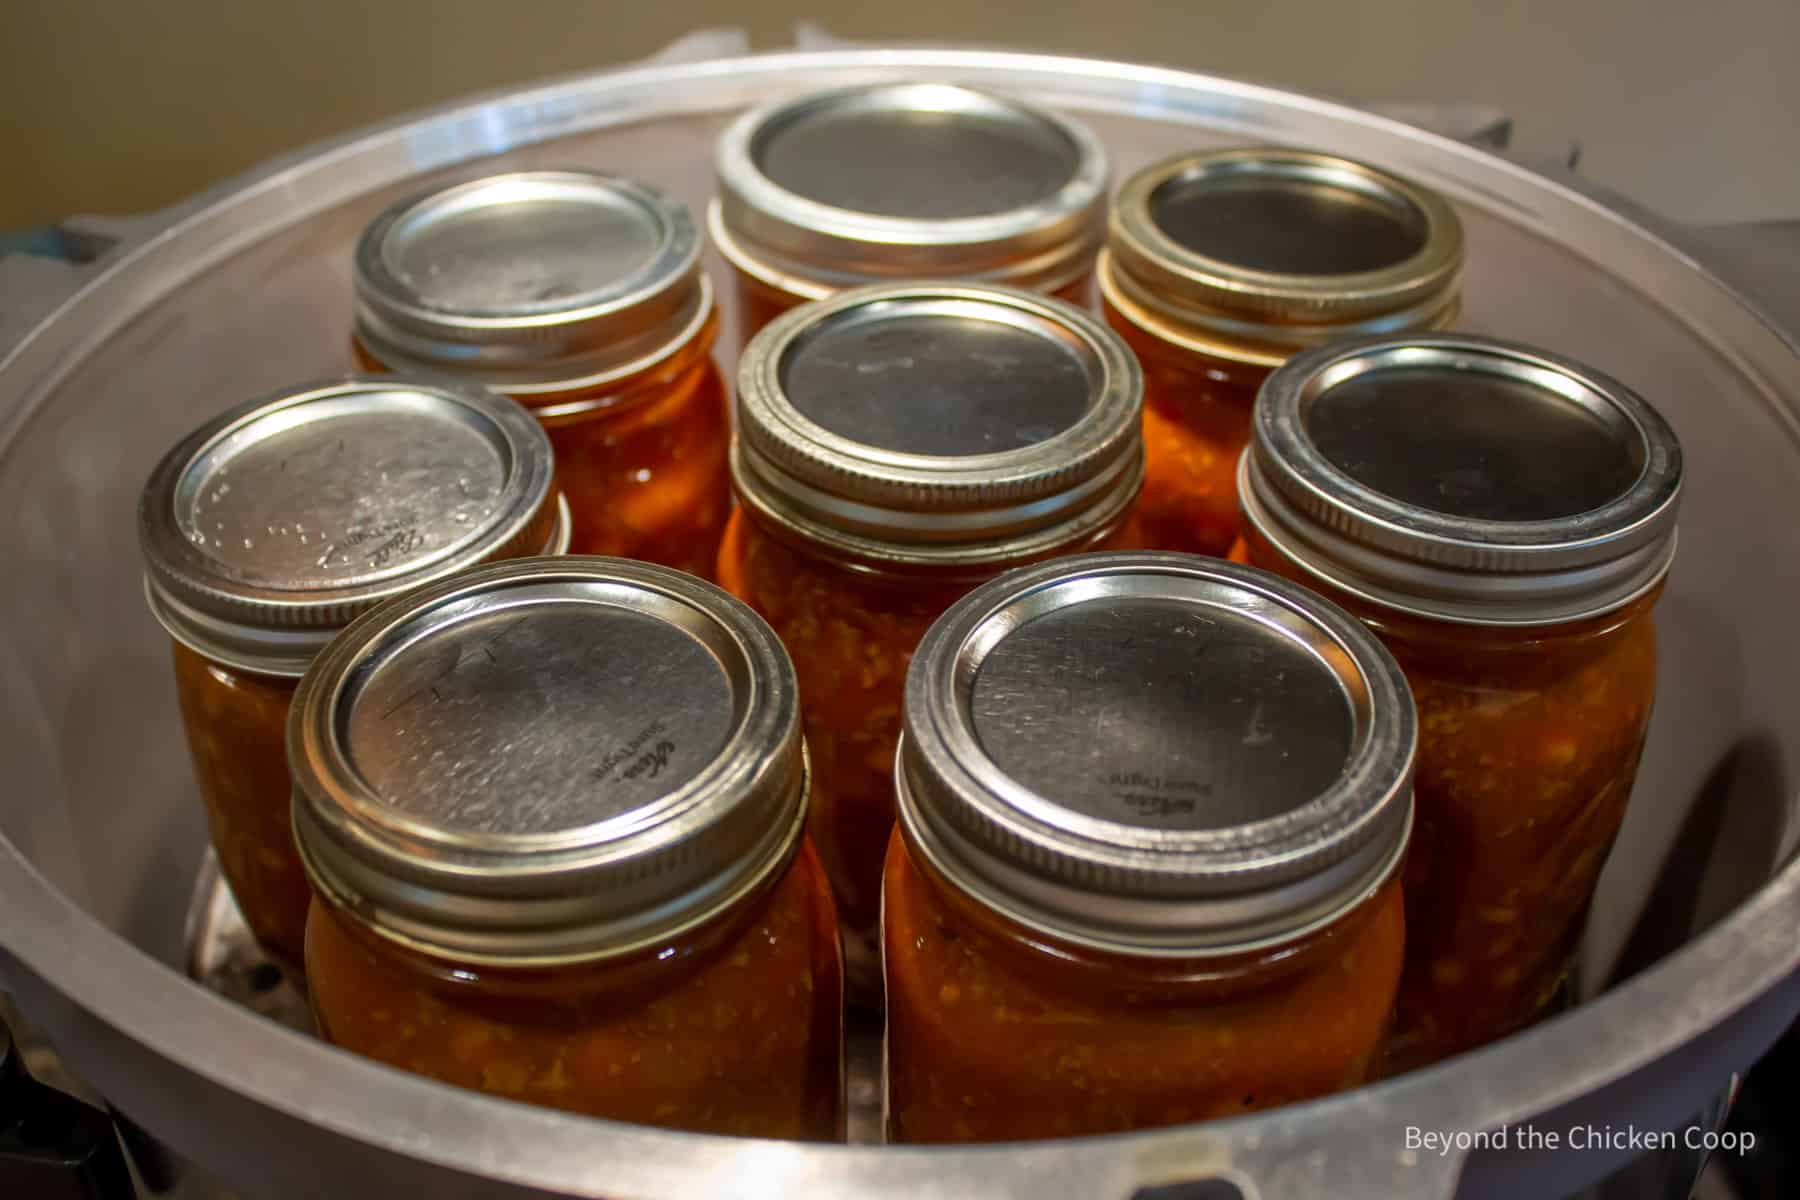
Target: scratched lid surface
x=271 y=526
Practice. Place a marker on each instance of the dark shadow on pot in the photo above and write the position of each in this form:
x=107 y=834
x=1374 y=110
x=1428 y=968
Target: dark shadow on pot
x=1728 y=847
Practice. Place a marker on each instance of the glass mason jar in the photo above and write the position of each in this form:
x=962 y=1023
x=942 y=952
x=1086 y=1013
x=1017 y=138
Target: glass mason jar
x=1220 y=265
x=581 y=296
x=553 y=815
x=1503 y=519
x=1152 y=814
x=904 y=181
x=265 y=530
x=896 y=446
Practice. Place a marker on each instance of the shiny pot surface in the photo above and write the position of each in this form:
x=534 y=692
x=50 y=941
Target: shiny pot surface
x=247 y=288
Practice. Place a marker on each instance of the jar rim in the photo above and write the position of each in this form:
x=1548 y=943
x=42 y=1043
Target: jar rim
x=1442 y=564
x=1269 y=311
x=271 y=614
x=811 y=248
x=1045 y=487
x=1074 y=865
x=625 y=290
x=593 y=856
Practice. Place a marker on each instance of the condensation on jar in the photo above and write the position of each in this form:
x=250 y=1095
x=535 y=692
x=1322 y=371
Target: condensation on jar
x=581 y=296
x=268 y=528
x=904 y=181
x=1503 y=518
x=1152 y=813
x=1220 y=265
x=898 y=445
x=553 y=814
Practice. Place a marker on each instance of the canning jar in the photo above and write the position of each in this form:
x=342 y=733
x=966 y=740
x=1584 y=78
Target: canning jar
x=897 y=445
x=1503 y=519
x=580 y=295
x=1152 y=814
x=1220 y=265
x=553 y=812
x=265 y=530
x=904 y=181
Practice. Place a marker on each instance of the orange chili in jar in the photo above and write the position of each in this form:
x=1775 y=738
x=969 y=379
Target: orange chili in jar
x=1503 y=519
x=581 y=296
x=904 y=181
x=896 y=446
x=1152 y=814
x=1219 y=265
x=553 y=815
x=265 y=530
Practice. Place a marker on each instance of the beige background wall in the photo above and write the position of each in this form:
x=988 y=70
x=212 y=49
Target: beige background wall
x=1691 y=106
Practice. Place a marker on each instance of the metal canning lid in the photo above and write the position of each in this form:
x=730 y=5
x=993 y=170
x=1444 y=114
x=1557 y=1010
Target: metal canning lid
x=548 y=761
x=270 y=527
x=532 y=281
x=1256 y=253
x=939 y=424
x=1464 y=478
x=1157 y=754
x=910 y=180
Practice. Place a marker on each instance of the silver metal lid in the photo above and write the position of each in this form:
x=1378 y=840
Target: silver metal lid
x=533 y=281
x=909 y=180
x=1464 y=478
x=1157 y=754
x=1256 y=253
x=271 y=526
x=940 y=424
x=548 y=760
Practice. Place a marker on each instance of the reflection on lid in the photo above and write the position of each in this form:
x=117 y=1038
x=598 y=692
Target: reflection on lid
x=537 y=716
x=346 y=490
x=936 y=383
x=908 y=181
x=924 y=152
x=1473 y=444
x=523 y=244
x=1288 y=226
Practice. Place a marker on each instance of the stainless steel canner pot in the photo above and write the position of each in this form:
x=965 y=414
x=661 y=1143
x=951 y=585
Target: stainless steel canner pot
x=1689 y=968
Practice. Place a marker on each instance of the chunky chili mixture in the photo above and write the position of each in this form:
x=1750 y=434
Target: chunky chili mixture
x=1529 y=740
x=735 y=1030
x=996 y=1033
x=1196 y=424
x=851 y=635
x=237 y=733
x=645 y=472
